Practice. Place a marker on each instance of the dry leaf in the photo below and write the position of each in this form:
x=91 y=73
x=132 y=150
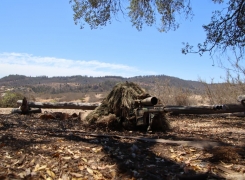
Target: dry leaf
x=195 y=167
x=80 y=178
x=87 y=148
x=28 y=171
x=81 y=167
x=93 y=167
x=70 y=151
x=32 y=162
x=50 y=173
x=90 y=171
x=42 y=167
x=113 y=173
x=85 y=160
x=107 y=166
x=66 y=158
x=98 y=175
x=15 y=163
x=226 y=165
x=77 y=175
x=192 y=150
x=60 y=140
x=8 y=157
x=21 y=160
x=64 y=177
x=76 y=156
x=97 y=149
x=38 y=168
x=178 y=159
x=187 y=161
x=22 y=174
x=173 y=156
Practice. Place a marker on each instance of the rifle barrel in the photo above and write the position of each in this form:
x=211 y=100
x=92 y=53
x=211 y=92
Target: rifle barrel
x=212 y=109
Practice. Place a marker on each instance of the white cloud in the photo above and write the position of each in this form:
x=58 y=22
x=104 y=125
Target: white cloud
x=29 y=65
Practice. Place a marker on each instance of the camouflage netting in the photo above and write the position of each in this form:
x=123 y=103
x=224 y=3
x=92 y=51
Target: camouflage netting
x=118 y=106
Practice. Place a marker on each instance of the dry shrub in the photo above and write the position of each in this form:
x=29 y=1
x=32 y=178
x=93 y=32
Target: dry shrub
x=223 y=93
x=93 y=97
x=182 y=99
x=172 y=95
x=62 y=97
x=164 y=92
x=210 y=93
x=70 y=96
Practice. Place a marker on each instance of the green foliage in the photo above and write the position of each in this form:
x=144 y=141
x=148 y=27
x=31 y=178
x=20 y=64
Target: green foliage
x=98 y=13
x=226 y=30
x=41 y=89
x=10 y=99
x=13 y=77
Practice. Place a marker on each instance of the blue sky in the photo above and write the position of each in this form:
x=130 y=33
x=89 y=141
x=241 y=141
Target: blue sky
x=40 y=38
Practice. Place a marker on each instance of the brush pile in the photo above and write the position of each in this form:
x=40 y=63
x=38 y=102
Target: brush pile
x=117 y=109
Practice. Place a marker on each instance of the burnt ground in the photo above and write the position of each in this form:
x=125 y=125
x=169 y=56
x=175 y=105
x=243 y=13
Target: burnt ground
x=34 y=148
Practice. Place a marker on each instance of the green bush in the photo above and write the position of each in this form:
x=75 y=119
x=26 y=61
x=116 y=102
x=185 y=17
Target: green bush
x=10 y=99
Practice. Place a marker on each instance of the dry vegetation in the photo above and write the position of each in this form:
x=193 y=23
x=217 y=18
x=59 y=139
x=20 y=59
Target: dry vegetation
x=34 y=148
x=212 y=93
x=196 y=147
x=71 y=96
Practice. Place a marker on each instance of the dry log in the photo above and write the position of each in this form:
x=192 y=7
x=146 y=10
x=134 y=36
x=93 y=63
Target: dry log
x=216 y=109
x=62 y=105
x=30 y=111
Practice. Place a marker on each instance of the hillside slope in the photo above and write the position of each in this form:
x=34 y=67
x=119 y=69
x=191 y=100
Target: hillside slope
x=62 y=84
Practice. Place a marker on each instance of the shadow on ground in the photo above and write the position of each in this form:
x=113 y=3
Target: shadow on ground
x=66 y=151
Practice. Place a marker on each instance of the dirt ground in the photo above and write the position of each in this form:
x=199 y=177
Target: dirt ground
x=196 y=147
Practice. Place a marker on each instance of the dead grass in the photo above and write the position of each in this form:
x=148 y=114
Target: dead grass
x=211 y=94
x=171 y=95
x=71 y=97
x=224 y=93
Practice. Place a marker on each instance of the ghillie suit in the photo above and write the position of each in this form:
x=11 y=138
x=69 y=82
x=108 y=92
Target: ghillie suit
x=117 y=110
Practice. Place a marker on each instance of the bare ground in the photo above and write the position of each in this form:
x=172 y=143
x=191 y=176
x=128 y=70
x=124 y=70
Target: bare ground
x=34 y=148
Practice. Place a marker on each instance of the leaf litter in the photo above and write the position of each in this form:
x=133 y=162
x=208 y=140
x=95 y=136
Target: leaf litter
x=33 y=148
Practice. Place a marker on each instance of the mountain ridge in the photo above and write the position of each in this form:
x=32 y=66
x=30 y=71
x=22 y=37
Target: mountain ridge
x=80 y=83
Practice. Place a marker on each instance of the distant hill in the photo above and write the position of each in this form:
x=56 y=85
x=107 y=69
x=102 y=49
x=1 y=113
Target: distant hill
x=61 y=84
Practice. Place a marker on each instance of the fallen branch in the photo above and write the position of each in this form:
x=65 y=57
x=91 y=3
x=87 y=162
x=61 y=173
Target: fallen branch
x=197 y=144
x=19 y=111
x=62 y=105
x=212 y=109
